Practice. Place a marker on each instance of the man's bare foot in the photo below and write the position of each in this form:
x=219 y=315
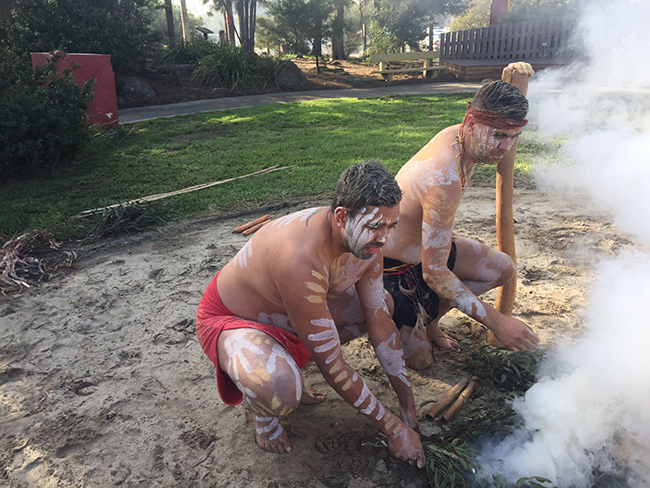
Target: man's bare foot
x=311 y=396
x=443 y=341
x=270 y=435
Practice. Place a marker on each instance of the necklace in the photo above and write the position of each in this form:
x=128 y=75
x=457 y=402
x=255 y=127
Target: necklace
x=460 y=159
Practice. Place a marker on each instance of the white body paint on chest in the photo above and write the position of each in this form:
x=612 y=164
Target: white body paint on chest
x=426 y=176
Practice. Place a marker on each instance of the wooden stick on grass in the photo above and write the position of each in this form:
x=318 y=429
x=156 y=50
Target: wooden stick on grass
x=255 y=228
x=152 y=198
x=462 y=399
x=252 y=223
x=438 y=407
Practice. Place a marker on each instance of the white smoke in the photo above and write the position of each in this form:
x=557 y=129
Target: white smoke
x=592 y=412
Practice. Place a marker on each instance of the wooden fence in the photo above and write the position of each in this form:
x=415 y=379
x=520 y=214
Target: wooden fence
x=542 y=39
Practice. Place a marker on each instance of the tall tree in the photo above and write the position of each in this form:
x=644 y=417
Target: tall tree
x=295 y=21
x=396 y=24
x=247 y=18
x=169 y=14
x=338 y=27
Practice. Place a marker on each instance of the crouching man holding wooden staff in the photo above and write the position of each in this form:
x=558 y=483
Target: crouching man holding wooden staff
x=428 y=269
x=300 y=286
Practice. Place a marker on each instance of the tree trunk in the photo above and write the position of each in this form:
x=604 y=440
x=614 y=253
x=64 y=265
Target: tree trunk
x=317 y=47
x=252 y=19
x=338 y=50
x=185 y=22
x=243 y=20
x=498 y=11
x=170 y=22
x=363 y=31
x=230 y=26
x=431 y=24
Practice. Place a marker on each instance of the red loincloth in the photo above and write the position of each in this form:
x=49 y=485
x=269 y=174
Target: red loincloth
x=212 y=317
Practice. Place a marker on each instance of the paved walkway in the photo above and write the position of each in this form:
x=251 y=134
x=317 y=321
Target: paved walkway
x=131 y=115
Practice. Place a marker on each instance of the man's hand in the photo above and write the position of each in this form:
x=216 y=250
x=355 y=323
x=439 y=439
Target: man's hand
x=514 y=334
x=406 y=446
x=517 y=70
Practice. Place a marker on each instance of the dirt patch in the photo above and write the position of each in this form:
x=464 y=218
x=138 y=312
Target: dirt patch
x=335 y=75
x=102 y=381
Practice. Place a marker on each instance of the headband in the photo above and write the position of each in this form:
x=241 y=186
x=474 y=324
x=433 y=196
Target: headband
x=494 y=120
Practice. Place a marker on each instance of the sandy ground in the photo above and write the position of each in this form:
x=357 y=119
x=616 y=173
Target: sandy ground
x=102 y=381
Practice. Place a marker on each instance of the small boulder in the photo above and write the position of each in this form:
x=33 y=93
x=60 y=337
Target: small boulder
x=135 y=89
x=290 y=77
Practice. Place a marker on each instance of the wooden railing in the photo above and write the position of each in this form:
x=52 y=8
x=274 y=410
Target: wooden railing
x=532 y=39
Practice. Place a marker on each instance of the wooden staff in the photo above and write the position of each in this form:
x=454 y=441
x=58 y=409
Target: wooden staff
x=255 y=228
x=153 y=198
x=505 y=300
x=438 y=407
x=252 y=223
x=462 y=399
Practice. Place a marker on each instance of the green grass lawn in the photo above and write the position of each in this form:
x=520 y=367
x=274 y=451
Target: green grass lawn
x=318 y=139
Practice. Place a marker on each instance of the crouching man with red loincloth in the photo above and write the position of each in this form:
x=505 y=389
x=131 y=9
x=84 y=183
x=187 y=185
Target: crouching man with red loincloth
x=301 y=286
x=428 y=269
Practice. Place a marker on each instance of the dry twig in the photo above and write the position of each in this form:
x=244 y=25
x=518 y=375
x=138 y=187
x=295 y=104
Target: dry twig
x=29 y=259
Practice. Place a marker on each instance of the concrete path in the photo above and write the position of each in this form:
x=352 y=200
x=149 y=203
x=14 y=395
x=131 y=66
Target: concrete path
x=131 y=115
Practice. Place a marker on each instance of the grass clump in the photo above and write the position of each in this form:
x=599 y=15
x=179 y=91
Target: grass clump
x=230 y=67
x=187 y=52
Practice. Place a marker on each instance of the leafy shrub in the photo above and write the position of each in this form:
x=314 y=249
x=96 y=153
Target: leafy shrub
x=42 y=116
x=187 y=52
x=230 y=67
x=119 y=28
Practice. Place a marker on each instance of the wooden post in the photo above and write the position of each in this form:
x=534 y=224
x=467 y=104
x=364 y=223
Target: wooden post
x=505 y=300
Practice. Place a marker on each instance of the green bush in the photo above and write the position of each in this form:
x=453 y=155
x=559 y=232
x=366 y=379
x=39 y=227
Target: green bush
x=119 y=28
x=42 y=116
x=230 y=67
x=187 y=52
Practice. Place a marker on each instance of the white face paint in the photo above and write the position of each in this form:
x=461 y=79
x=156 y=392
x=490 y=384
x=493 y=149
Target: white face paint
x=360 y=236
x=492 y=144
x=356 y=236
x=246 y=252
x=392 y=359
